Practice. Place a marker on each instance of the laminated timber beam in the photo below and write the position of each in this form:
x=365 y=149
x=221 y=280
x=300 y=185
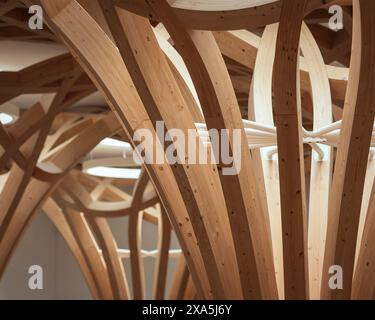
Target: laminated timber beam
x=262 y=66
x=43 y=77
x=163 y=245
x=180 y=280
x=55 y=214
x=321 y=167
x=79 y=226
x=260 y=109
x=37 y=190
x=287 y=113
x=242 y=46
x=18 y=179
x=223 y=15
x=93 y=244
x=103 y=234
x=352 y=154
x=134 y=34
x=110 y=78
x=215 y=91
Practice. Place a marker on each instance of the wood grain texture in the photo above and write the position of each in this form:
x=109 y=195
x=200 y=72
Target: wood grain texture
x=302 y=199
x=352 y=154
x=287 y=112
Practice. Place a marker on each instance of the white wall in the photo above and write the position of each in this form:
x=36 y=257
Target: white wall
x=69 y=280
x=36 y=248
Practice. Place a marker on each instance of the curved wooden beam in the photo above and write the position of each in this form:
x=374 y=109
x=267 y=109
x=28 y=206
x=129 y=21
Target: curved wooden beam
x=135 y=238
x=364 y=280
x=36 y=191
x=43 y=77
x=161 y=269
x=136 y=116
x=180 y=279
x=89 y=247
x=221 y=111
x=115 y=268
x=191 y=65
x=352 y=154
x=287 y=111
x=162 y=108
x=107 y=243
x=260 y=109
x=84 y=202
x=132 y=117
x=54 y=213
x=18 y=179
x=72 y=192
x=368 y=193
x=321 y=168
x=135 y=244
x=252 y=15
x=242 y=46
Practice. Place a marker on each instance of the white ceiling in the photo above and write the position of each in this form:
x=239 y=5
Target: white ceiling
x=17 y=55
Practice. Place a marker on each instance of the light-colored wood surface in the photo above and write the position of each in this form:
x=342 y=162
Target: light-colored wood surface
x=321 y=167
x=303 y=198
x=287 y=113
x=352 y=154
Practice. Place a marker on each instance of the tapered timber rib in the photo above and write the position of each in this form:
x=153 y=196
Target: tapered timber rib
x=278 y=95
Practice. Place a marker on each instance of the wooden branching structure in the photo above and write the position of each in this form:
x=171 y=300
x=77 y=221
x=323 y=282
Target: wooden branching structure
x=302 y=95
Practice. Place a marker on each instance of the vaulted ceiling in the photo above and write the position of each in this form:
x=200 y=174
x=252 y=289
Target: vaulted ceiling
x=302 y=95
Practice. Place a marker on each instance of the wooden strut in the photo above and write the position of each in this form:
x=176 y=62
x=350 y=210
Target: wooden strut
x=302 y=95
